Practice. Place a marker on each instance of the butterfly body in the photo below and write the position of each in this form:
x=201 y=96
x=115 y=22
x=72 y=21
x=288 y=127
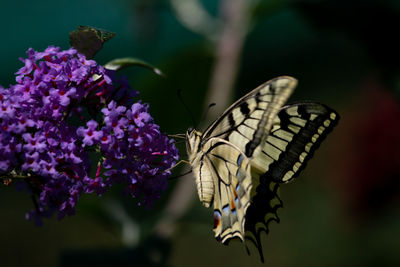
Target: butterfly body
x=255 y=145
x=204 y=182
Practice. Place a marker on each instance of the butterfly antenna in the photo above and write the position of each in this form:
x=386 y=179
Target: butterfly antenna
x=206 y=113
x=180 y=141
x=186 y=107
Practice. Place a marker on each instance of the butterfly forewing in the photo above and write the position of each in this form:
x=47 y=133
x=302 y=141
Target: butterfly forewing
x=247 y=122
x=297 y=132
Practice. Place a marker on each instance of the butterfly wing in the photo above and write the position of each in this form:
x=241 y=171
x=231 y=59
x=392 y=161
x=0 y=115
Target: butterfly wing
x=263 y=209
x=239 y=132
x=253 y=147
x=247 y=122
x=230 y=170
x=296 y=133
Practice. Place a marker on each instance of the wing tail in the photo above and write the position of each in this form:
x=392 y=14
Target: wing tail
x=262 y=211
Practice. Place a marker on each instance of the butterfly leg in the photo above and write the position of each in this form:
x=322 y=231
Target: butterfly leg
x=180 y=136
x=179 y=162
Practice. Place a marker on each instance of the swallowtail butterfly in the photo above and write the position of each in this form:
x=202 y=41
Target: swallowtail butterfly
x=256 y=145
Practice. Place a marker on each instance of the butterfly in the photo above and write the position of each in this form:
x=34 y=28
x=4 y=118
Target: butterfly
x=243 y=157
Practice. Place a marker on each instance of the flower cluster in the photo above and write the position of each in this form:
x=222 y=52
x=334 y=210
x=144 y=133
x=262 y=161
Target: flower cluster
x=50 y=123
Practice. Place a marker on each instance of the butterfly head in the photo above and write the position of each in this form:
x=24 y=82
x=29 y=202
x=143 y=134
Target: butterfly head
x=193 y=139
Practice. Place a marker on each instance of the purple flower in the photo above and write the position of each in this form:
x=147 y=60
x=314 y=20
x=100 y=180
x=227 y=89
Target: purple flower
x=34 y=143
x=38 y=140
x=138 y=114
x=90 y=135
x=31 y=162
x=95 y=185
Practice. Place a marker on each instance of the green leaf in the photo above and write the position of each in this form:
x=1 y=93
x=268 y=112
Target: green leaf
x=89 y=40
x=120 y=63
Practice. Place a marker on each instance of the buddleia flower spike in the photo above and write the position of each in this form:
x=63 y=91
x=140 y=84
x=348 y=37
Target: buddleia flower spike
x=64 y=106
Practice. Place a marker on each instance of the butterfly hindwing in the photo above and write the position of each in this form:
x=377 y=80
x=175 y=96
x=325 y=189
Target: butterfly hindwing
x=230 y=170
x=263 y=209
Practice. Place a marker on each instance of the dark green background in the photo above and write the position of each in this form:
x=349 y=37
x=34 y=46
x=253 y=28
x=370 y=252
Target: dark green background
x=343 y=210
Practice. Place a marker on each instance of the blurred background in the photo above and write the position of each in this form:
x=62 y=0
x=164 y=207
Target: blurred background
x=343 y=209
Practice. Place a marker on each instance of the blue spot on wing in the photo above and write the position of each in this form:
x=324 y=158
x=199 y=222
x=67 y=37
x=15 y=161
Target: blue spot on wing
x=239 y=160
x=225 y=208
x=237 y=172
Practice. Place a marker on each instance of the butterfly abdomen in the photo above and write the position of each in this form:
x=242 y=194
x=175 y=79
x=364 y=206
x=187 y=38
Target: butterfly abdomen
x=204 y=183
x=202 y=173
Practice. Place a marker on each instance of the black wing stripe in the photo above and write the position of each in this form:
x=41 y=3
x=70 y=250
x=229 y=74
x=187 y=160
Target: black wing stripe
x=272 y=144
x=268 y=155
x=258 y=134
x=244 y=109
x=278 y=137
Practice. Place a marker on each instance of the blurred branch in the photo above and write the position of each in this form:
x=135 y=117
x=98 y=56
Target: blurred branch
x=234 y=18
x=193 y=16
x=179 y=202
x=227 y=51
x=130 y=229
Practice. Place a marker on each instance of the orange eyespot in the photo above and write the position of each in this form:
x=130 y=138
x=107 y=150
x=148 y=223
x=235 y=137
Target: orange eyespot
x=217 y=218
